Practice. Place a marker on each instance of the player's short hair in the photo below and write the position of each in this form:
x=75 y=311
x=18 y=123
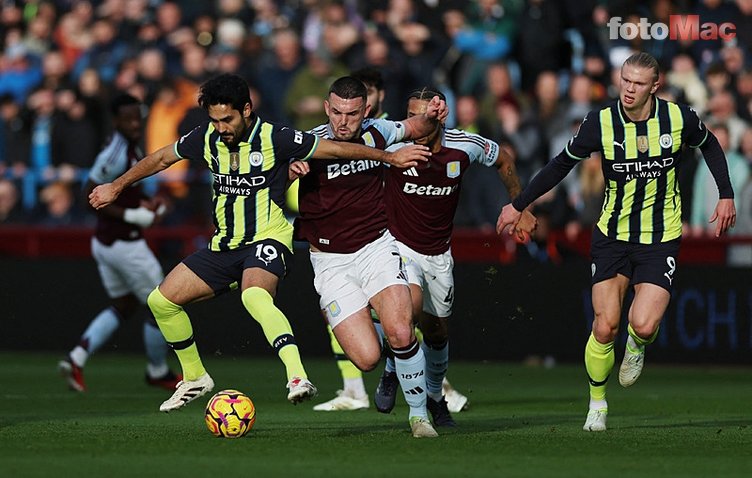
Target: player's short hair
x=426 y=93
x=348 y=88
x=644 y=60
x=370 y=76
x=121 y=100
x=225 y=89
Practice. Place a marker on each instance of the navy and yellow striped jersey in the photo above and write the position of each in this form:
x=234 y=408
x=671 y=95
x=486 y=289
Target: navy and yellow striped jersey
x=248 y=180
x=639 y=159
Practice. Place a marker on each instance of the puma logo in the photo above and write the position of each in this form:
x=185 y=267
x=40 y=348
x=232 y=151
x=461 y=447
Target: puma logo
x=621 y=145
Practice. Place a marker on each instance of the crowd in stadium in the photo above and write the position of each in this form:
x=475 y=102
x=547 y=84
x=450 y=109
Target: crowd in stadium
x=521 y=72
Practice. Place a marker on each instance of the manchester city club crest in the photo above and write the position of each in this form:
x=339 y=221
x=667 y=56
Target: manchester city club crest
x=642 y=144
x=666 y=140
x=453 y=169
x=257 y=158
x=234 y=160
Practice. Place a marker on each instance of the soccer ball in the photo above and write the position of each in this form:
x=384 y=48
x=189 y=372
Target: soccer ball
x=230 y=414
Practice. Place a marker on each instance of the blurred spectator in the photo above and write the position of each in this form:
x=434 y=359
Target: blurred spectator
x=540 y=43
x=74 y=138
x=741 y=254
x=390 y=62
x=42 y=105
x=152 y=73
x=548 y=106
x=11 y=211
x=19 y=72
x=499 y=87
x=482 y=197
x=55 y=71
x=106 y=53
x=722 y=110
x=525 y=137
x=371 y=77
x=744 y=95
x=586 y=196
x=487 y=37
x=706 y=52
x=173 y=100
x=684 y=76
x=71 y=35
x=717 y=79
x=38 y=38
x=705 y=191
x=16 y=138
x=275 y=73
x=304 y=103
x=59 y=206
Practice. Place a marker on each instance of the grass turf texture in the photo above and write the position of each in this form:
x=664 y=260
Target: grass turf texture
x=523 y=421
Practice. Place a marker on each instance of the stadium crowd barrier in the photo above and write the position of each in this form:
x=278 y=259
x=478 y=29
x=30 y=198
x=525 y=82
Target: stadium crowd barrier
x=507 y=307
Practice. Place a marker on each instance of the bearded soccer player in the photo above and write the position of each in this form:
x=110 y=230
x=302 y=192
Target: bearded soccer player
x=636 y=240
x=355 y=259
x=252 y=243
x=421 y=203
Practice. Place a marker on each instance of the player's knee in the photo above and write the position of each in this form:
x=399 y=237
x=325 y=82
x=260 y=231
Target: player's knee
x=603 y=331
x=160 y=306
x=366 y=363
x=644 y=331
x=256 y=299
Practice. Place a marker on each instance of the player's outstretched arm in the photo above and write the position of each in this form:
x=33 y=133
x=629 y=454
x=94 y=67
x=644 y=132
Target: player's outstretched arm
x=159 y=160
x=422 y=125
x=724 y=216
x=406 y=157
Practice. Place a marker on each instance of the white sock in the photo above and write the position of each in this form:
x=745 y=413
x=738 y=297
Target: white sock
x=78 y=356
x=410 y=364
x=355 y=387
x=98 y=332
x=156 y=348
x=598 y=404
x=437 y=361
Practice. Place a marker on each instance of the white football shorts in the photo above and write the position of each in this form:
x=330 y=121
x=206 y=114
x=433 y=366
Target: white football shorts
x=127 y=267
x=433 y=274
x=346 y=282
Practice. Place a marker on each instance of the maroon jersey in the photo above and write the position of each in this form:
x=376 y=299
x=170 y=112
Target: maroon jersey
x=115 y=159
x=421 y=201
x=341 y=202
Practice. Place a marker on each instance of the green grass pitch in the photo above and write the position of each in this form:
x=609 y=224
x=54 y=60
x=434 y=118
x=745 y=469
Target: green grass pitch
x=522 y=422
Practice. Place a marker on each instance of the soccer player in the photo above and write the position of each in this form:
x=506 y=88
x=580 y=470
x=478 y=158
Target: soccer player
x=636 y=240
x=421 y=203
x=252 y=242
x=353 y=394
x=127 y=266
x=355 y=259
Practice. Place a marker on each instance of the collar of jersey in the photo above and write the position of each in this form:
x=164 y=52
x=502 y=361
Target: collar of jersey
x=623 y=114
x=251 y=132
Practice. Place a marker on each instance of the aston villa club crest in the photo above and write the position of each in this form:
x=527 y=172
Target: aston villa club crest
x=642 y=144
x=234 y=160
x=453 y=169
